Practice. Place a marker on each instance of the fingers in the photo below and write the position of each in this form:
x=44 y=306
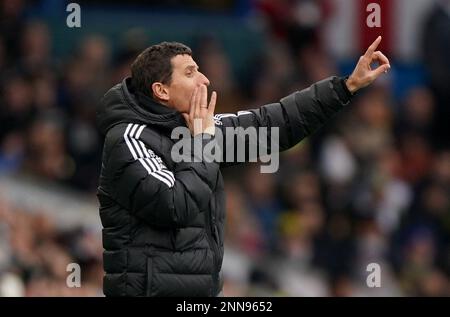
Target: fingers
x=203 y=101
x=372 y=47
x=203 y=96
x=197 y=103
x=380 y=70
x=212 y=103
x=383 y=61
x=381 y=58
x=200 y=118
x=192 y=106
x=197 y=122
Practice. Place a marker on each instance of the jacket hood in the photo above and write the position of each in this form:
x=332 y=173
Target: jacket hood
x=122 y=105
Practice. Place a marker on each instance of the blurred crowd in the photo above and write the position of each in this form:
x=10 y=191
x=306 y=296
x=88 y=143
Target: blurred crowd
x=35 y=255
x=373 y=186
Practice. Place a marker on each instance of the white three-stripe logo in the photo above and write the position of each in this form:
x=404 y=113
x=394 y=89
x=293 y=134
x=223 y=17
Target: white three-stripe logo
x=141 y=153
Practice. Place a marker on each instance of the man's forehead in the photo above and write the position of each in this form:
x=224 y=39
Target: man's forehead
x=183 y=61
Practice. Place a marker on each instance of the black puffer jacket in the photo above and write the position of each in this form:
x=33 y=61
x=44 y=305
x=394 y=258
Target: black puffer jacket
x=163 y=222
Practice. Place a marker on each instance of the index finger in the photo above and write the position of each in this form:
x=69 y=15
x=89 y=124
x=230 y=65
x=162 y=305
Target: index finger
x=212 y=103
x=373 y=47
x=192 y=107
x=203 y=96
x=380 y=57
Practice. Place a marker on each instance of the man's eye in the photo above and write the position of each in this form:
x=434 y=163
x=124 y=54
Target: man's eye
x=189 y=74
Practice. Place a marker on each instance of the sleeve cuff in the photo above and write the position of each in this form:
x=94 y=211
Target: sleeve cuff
x=341 y=89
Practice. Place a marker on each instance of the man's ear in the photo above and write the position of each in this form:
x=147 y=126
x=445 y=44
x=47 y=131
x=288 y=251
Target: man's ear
x=160 y=91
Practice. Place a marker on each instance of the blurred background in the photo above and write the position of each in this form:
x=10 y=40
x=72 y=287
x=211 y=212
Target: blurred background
x=373 y=186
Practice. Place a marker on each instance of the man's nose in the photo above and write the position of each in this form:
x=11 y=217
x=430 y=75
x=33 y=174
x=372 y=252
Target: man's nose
x=204 y=80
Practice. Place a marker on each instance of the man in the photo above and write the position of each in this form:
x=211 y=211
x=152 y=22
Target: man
x=164 y=220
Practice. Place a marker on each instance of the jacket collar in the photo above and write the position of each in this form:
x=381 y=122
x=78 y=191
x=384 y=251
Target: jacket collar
x=156 y=114
x=153 y=106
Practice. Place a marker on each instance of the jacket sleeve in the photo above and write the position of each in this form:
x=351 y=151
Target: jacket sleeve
x=295 y=116
x=143 y=184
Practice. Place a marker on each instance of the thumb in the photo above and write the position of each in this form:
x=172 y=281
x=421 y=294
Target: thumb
x=380 y=70
x=186 y=118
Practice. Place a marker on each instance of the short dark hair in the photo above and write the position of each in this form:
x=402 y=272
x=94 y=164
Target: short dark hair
x=154 y=65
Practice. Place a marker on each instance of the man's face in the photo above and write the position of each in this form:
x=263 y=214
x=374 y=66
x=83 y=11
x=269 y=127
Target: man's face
x=185 y=77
